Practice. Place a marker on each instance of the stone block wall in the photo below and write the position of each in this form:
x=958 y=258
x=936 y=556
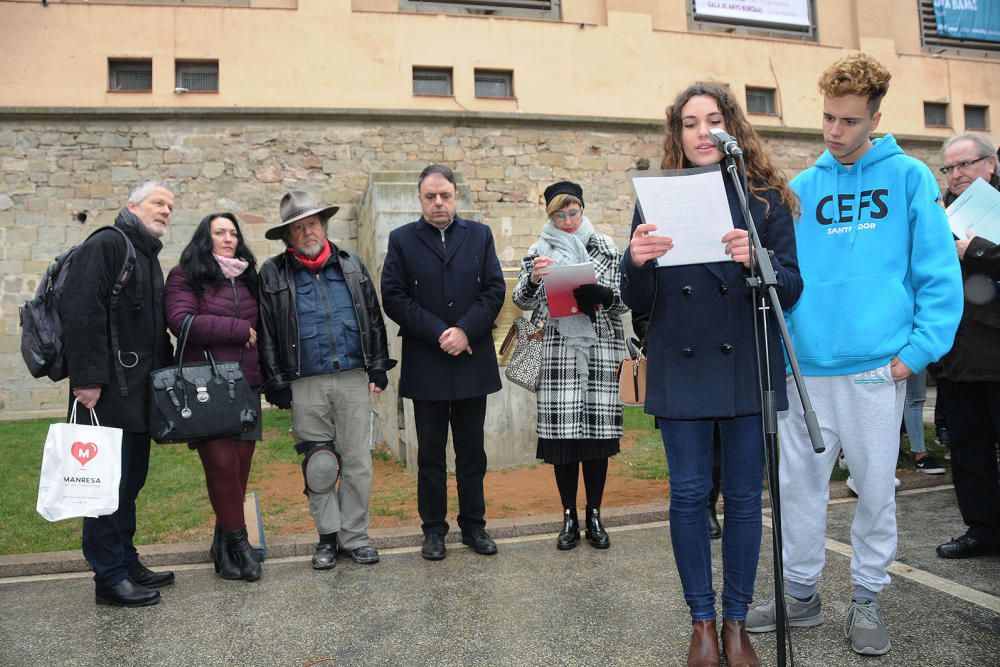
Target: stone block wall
x=62 y=174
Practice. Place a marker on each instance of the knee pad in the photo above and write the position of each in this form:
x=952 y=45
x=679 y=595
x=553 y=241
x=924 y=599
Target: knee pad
x=320 y=467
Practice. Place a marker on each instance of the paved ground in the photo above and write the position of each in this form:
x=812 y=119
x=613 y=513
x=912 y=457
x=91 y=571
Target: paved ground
x=529 y=605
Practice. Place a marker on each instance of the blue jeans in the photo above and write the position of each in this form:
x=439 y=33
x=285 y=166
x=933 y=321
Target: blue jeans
x=688 y=445
x=913 y=410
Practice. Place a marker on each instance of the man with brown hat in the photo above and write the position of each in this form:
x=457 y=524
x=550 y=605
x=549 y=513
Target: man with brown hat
x=323 y=348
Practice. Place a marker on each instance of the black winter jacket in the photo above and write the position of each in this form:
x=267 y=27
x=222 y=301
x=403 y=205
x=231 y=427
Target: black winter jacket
x=278 y=339
x=142 y=331
x=975 y=355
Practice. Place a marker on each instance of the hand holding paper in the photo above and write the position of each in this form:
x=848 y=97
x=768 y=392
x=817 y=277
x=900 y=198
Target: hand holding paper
x=645 y=246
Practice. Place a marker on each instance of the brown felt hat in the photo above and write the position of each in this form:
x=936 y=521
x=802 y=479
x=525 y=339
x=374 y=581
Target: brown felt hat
x=295 y=206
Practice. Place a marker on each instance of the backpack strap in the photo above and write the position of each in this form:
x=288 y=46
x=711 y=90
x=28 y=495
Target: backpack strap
x=123 y=276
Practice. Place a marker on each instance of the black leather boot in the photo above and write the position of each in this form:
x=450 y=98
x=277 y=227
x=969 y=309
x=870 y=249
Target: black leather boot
x=222 y=556
x=244 y=557
x=596 y=535
x=570 y=535
x=714 y=529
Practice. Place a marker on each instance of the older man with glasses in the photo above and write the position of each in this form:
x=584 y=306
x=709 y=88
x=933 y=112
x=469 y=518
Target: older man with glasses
x=969 y=375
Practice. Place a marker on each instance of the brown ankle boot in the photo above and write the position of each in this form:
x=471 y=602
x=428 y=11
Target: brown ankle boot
x=704 y=649
x=736 y=645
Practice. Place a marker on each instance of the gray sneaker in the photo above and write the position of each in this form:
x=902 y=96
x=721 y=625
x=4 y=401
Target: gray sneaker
x=865 y=627
x=761 y=617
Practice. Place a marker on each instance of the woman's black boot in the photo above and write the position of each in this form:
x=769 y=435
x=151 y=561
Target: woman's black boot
x=570 y=535
x=245 y=558
x=596 y=535
x=222 y=556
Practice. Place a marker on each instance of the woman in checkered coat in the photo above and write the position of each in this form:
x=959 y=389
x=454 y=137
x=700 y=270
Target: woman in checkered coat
x=579 y=413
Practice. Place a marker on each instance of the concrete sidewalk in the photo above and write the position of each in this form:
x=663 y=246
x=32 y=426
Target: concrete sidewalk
x=528 y=605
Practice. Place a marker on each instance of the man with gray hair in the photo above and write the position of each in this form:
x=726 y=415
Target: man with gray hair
x=110 y=352
x=968 y=377
x=323 y=350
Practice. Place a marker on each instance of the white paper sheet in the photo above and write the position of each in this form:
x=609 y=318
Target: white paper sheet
x=689 y=206
x=978 y=209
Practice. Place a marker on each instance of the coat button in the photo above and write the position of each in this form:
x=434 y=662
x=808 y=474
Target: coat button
x=688 y=351
x=725 y=348
x=723 y=289
x=687 y=290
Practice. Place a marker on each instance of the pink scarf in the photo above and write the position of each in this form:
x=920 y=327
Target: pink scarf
x=232 y=267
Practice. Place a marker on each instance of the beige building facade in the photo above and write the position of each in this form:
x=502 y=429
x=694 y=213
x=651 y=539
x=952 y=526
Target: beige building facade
x=234 y=102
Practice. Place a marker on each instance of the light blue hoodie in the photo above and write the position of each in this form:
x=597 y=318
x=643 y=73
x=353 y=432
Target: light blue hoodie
x=878 y=261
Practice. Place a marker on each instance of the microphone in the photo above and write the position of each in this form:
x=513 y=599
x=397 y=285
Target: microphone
x=726 y=142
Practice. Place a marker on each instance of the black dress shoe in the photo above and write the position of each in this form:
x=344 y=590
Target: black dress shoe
x=324 y=557
x=143 y=576
x=569 y=537
x=365 y=555
x=964 y=546
x=479 y=542
x=126 y=593
x=714 y=529
x=433 y=548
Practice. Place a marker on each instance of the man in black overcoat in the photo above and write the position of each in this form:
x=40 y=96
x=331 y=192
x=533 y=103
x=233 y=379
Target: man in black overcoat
x=116 y=384
x=442 y=284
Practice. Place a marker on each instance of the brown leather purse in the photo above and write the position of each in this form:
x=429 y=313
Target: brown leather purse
x=632 y=377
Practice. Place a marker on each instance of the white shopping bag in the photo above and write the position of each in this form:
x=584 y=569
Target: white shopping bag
x=81 y=470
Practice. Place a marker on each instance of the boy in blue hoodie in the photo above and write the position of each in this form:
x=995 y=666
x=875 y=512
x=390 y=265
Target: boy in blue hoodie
x=882 y=299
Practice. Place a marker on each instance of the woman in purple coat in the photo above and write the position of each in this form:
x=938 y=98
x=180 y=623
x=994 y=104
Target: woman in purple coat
x=216 y=281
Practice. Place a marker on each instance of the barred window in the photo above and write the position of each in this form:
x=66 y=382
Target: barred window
x=130 y=75
x=761 y=100
x=432 y=81
x=200 y=76
x=936 y=114
x=494 y=83
x=977 y=117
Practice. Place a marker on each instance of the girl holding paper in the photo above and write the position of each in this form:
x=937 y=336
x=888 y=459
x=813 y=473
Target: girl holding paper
x=702 y=369
x=579 y=414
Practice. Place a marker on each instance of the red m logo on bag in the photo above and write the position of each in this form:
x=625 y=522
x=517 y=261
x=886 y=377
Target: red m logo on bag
x=83 y=451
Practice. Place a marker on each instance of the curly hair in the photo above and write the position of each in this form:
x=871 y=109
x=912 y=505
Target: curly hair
x=762 y=175
x=857 y=74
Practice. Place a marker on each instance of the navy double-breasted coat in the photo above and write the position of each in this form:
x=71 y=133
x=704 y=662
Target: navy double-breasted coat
x=701 y=362
x=428 y=287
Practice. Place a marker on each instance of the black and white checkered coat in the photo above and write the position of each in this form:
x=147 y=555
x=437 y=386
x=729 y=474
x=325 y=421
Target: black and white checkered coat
x=571 y=406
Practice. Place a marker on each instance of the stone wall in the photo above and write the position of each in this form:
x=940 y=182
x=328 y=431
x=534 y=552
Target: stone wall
x=64 y=174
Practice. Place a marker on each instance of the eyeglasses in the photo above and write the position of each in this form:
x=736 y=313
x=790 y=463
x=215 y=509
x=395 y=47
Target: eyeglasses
x=570 y=214
x=947 y=169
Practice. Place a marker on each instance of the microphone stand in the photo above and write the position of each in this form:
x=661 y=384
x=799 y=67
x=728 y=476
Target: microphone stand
x=765 y=298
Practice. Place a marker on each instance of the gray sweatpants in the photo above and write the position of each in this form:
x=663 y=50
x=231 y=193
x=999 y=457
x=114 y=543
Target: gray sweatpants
x=860 y=414
x=337 y=407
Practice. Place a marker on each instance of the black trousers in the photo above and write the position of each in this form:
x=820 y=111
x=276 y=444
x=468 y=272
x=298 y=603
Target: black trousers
x=107 y=540
x=972 y=411
x=466 y=418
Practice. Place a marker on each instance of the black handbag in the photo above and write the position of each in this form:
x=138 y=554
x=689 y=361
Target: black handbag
x=199 y=401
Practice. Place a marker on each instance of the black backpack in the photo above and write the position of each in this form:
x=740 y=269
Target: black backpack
x=42 y=327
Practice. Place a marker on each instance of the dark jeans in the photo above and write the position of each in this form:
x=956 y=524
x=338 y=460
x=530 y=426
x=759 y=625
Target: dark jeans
x=972 y=411
x=688 y=445
x=107 y=540
x=466 y=418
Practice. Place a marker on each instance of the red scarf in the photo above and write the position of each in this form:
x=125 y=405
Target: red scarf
x=317 y=262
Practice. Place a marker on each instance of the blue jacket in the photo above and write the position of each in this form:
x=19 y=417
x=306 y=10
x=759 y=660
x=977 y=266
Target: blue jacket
x=879 y=264
x=426 y=290
x=700 y=342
